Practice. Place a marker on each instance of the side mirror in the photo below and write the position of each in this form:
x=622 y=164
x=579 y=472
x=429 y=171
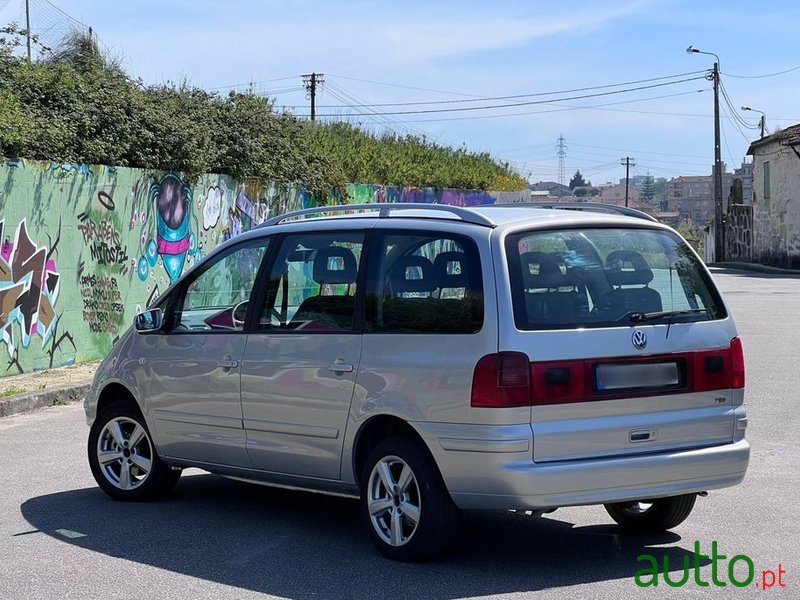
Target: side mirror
x=149 y=321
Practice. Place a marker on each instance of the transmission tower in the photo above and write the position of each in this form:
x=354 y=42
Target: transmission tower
x=561 y=146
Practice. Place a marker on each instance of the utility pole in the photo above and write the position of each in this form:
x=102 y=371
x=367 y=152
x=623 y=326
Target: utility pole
x=719 y=243
x=561 y=146
x=28 y=27
x=628 y=162
x=719 y=240
x=762 y=122
x=311 y=81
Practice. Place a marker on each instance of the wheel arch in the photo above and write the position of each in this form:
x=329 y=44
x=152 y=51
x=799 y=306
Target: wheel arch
x=376 y=429
x=116 y=392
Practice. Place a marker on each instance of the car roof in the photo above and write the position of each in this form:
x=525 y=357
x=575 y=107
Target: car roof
x=483 y=215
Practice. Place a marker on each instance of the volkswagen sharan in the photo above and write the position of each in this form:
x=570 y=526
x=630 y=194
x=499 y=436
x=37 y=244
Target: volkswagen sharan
x=429 y=359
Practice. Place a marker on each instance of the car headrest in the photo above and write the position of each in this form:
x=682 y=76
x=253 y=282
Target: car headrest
x=542 y=270
x=335 y=264
x=412 y=274
x=626 y=267
x=451 y=270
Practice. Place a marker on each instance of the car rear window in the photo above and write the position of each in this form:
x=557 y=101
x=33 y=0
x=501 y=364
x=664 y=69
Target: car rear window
x=576 y=278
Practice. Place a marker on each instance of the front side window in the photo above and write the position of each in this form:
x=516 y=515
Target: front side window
x=217 y=295
x=425 y=283
x=313 y=283
x=607 y=277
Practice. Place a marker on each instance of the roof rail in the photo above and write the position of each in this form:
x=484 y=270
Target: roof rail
x=590 y=206
x=384 y=210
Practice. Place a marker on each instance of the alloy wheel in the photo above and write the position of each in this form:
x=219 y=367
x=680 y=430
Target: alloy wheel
x=124 y=453
x=393 y=500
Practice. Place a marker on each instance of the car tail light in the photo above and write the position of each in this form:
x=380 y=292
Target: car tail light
x=719 y=369
x=501 y=380
x=737 y=364
x=561 y=382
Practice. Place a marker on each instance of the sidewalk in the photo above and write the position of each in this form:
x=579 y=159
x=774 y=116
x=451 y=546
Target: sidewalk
x=38 y=389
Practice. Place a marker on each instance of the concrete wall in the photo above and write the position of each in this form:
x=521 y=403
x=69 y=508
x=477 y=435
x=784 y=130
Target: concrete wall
x=776 y=218
x=84 y=247
x=739 y=233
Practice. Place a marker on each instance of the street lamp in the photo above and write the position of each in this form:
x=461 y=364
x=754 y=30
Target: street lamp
x=719 y=249
x=762 y=121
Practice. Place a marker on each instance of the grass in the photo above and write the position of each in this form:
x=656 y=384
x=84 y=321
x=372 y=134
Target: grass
x=12 y=391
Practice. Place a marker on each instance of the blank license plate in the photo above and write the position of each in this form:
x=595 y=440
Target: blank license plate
x=616 y=377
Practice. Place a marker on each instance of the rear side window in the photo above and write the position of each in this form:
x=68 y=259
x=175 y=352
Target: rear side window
x=424 y=283
x=607 y=277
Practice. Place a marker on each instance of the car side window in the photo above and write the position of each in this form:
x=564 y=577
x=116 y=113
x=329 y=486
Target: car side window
x=425 y=283
x=312 y=285
x=215 y=298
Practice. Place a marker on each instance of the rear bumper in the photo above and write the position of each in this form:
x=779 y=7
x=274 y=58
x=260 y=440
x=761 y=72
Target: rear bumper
x=482 y=474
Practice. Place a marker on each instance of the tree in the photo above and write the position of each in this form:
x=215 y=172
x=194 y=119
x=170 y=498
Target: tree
x=648 y=193
x=77 y=104
x=577 y=181
x=660 y=187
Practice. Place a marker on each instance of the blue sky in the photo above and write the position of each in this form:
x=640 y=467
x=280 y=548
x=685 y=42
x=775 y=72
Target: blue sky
x=463 y=50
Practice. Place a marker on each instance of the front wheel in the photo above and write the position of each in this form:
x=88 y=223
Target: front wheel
x=123 y=458
x=652 y=516
x=404 y=504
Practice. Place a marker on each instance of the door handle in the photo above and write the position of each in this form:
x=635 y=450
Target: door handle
x=228 y=364
x=340 y=367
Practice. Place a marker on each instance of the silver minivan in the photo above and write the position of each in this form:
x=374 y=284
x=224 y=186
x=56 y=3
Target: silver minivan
x=429 y=359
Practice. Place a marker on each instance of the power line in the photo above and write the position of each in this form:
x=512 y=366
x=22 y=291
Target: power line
x=531 y=95
x=762 y=76
x=532 y=102
x=70 y=17
x=251 y=83
x=733 y=110
x=343 y=95
x=639 y=151
x=407 y=87
x=568 y=108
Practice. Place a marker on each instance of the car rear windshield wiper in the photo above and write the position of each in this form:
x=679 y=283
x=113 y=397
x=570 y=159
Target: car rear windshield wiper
x=638 y=317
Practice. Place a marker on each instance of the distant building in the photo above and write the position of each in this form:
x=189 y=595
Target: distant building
x=615 y=193
x=552 y=187
x=636 y=181
x=692 y=197
x=745 y=173
x=776 y=198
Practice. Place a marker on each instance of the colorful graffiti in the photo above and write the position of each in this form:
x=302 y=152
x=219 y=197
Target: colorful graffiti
x=29 y=288
x=133 y=233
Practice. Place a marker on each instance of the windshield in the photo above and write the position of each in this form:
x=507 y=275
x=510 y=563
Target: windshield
x=607 y=277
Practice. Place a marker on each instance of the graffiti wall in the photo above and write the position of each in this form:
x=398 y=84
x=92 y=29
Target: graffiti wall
x=83 y=248
x=739 y=233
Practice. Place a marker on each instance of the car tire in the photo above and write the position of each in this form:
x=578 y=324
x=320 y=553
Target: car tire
x=652 y=516
x=123 y=457
x=404 y=503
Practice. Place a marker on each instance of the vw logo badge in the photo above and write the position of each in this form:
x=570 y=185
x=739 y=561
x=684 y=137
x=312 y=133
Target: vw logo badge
x=639 y=340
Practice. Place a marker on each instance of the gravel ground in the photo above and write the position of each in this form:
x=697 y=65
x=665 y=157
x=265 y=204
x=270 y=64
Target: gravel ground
x=48 y=379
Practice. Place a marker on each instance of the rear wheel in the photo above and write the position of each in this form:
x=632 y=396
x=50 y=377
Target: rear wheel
x=404 y=504
x=123 y=458
x=653 y=515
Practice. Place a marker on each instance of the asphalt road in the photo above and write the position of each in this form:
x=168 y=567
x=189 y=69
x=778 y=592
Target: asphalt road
x=215 y=538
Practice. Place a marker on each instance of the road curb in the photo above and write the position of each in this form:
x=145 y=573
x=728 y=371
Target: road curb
x=31 y=401
x=759 y=268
